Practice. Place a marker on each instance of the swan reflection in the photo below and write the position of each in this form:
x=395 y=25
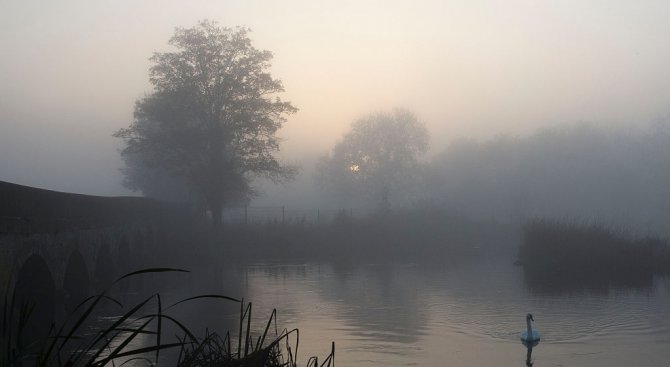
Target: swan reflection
x=529 y=352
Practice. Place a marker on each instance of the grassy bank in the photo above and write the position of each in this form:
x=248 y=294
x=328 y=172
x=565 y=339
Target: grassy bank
x=560 y=256
x=413 y=235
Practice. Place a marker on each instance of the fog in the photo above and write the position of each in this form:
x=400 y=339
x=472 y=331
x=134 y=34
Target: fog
x=581 y=172
x=71 y=72
x=409 y=180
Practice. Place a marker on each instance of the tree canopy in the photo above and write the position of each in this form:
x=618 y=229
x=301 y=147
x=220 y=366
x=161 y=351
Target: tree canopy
x=211 y=119
x=380 y=152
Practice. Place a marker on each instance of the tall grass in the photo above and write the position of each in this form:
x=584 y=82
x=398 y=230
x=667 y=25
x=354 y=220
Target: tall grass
x=68 y=344
x=562 y=256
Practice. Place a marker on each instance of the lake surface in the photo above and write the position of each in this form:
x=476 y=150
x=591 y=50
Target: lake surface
x=470 y=314
x=466 y=315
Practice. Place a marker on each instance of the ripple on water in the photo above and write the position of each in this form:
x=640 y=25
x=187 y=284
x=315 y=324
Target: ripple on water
x=405 y=315
x=475 y=309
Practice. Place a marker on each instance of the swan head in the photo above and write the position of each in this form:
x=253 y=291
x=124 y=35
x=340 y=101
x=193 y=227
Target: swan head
x=529 y=317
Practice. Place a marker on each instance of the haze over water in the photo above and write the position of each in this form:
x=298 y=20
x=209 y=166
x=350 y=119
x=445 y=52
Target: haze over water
x=463 y=315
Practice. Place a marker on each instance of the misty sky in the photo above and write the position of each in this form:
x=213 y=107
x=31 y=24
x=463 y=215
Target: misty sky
x=70 y=71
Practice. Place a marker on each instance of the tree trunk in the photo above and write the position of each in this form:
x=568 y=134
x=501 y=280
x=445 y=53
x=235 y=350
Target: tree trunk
x=215 y=204
x=217 y=214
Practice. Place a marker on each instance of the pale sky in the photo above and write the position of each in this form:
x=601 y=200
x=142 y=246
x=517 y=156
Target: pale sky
x=70 y=71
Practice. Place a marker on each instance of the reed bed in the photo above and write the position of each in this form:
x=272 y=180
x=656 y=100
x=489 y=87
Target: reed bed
x=69 y=344
x=559 y=256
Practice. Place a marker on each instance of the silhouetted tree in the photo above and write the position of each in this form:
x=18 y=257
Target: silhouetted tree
x=381 y=151
x=212 y=117
x=153 y=181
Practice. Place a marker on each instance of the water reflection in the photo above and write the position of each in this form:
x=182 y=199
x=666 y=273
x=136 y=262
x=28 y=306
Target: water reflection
x=409 y=314
x=382 y=302
x=529 y=353
x=463 y=315
x=561 y=284
x=374 y=301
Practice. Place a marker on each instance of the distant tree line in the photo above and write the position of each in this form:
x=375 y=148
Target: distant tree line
x=577 y=172
x=208 y=130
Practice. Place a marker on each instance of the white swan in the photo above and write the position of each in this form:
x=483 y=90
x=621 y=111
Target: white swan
x=530 y=335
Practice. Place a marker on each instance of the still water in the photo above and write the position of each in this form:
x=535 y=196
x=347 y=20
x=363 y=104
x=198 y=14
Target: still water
x=466 y=315
x=471 y=314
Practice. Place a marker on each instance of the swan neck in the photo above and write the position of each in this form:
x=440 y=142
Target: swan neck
x=530 y=329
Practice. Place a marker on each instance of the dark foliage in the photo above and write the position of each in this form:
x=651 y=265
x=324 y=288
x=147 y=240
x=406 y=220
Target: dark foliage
x=211 y=121
x=560 y=256
x=432 y=235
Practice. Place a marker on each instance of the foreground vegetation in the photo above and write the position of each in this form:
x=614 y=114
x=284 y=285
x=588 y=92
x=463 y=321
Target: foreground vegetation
x=70 y=345
x=557 y=256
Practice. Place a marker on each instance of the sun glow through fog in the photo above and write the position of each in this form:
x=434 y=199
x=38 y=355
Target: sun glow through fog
x=71 y=70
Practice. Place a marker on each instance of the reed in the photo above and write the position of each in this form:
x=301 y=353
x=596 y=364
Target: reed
x=582 y=255
x=68 y=345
